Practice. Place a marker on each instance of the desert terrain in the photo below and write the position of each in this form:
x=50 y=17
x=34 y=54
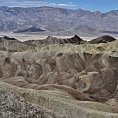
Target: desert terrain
x=58 y=76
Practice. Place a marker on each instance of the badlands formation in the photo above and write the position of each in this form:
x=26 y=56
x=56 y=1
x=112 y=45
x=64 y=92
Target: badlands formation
x=59 y=78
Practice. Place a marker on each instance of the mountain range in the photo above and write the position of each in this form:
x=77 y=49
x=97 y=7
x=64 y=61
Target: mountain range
x=58 y=21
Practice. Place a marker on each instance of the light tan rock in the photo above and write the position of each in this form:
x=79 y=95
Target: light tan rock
x=57 y=102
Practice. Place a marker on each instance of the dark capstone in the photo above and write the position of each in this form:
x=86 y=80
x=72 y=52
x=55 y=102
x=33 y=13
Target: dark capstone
x=102 y=39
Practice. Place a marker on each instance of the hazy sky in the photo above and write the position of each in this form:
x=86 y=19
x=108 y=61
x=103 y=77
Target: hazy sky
x=92 y=5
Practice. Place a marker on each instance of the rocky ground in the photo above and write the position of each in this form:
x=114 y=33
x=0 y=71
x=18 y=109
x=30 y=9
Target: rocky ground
x=59 y=78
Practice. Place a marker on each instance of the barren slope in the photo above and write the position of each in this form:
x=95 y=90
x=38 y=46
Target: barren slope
x=59 y=80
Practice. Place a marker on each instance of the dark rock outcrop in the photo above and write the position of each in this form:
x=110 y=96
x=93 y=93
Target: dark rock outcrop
x=5 y=38
x=102 y=39
x=74 y=40
x=31 y=29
